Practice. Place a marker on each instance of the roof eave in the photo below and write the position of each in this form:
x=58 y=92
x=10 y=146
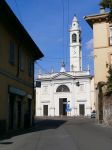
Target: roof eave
x=95 y=18
x=20 y=32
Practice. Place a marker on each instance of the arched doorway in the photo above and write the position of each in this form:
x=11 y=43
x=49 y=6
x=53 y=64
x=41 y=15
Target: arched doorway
x=62 y=101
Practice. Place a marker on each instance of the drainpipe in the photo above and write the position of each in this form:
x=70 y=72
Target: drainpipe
x=33 y=98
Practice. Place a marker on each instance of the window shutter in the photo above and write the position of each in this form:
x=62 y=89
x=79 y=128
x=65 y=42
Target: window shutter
x=31 y=67
x=21 y=59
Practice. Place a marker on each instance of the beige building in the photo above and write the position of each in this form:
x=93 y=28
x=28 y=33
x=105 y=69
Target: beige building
x=102 y=37
x=17 y=55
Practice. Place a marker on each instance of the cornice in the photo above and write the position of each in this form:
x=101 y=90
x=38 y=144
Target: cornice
x=96 y=18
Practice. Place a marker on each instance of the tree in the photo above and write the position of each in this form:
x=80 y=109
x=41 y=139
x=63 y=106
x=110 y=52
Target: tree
x=107 y=4
x=109 y=80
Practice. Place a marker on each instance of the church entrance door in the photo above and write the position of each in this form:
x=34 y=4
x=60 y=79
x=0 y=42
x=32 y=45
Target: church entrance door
x=45 y=110
x=82 y=109
x=62 y=106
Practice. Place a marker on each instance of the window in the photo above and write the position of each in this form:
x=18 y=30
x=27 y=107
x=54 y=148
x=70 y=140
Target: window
x=12 y=52
x=110 y=35
x=31 y=67
x=21 y=60
x=38 y=84
x=62 y=88
x=74 y=38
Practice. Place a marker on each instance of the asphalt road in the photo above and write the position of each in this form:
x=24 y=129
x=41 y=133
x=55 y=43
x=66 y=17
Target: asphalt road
x=61 y=134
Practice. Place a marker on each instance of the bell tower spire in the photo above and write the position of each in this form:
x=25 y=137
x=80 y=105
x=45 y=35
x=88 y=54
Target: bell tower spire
x=75 y=46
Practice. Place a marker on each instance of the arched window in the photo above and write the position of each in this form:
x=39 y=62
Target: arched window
x=74 y=38
x=62 y=88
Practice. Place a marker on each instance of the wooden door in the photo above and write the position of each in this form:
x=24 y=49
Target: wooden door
x=45 y=110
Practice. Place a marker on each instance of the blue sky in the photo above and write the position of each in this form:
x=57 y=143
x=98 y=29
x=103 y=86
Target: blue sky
x=48 y=23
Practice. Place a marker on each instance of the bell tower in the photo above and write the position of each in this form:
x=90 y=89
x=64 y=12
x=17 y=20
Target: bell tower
x=75 y=46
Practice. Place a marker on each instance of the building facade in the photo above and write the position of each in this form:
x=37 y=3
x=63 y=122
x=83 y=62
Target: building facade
x=102 y=37
x=66 y=93
x=17 y=55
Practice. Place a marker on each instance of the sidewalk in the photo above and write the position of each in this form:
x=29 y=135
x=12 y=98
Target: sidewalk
x=12 y=133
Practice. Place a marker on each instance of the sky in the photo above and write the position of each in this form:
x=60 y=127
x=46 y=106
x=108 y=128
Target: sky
x=48 y=23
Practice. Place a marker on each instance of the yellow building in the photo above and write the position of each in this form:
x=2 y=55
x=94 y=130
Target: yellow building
x=102 y=37
x=18 y=53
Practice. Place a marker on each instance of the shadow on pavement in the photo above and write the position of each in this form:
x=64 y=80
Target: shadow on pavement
x=41 y=124
x=6 y=143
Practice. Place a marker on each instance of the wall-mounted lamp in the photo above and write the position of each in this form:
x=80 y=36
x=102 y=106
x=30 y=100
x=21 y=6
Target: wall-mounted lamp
x=77 y=83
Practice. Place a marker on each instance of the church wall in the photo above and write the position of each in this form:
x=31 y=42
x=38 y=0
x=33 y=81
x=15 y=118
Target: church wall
x=80 y=98
x=77 y=95
x=83 y=97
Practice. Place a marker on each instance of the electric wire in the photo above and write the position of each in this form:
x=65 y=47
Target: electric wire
x=67 y=29
x=42 y=68
x=63 y=11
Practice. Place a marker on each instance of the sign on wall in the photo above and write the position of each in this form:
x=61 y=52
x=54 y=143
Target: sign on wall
x=68 y=109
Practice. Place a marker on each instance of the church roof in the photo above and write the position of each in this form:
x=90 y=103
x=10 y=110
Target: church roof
x=62 y=76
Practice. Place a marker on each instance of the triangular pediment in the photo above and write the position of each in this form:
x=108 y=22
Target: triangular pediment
x=63 y=75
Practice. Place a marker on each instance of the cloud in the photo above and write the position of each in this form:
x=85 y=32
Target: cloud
x=91 y=54
x=89 y=44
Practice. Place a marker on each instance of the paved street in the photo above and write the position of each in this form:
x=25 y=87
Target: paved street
x=61 y=134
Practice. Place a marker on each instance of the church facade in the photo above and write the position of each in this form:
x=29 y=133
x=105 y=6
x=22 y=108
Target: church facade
x=67 y=93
